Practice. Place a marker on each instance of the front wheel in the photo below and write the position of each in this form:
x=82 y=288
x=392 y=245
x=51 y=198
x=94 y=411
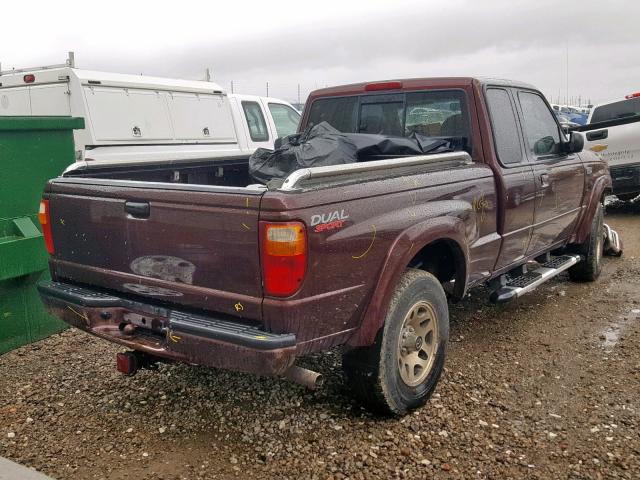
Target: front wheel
x=400 y=371
x=591 y=250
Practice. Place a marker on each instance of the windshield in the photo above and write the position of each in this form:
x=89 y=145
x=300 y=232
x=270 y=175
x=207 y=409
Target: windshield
x=436 y=114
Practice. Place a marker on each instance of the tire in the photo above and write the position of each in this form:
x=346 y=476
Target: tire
x=590 y=267
x=397 y=374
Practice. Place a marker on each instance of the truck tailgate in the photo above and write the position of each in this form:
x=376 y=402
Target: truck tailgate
x=180 y=244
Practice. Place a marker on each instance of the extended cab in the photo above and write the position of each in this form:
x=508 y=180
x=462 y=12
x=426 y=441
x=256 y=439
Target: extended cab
x=197 y=263
x=613 y=131
x=137 y=119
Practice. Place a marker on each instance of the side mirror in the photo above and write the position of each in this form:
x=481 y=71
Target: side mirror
x=575 y=143
x=545 y=146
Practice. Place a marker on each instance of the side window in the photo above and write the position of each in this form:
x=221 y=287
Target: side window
x=440 y=114
x=285 y=118
x=255 y=120
x=340 y=112
x=505 y=129
x=541 y=129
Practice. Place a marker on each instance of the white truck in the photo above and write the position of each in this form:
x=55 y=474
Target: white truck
x=137 y=119
x=613 y=131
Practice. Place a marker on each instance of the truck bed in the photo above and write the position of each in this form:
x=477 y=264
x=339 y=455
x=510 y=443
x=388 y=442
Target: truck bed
x=160 y=233
x=224 y=172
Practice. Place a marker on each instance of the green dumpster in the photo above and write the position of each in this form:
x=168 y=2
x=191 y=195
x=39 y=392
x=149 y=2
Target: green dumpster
x=32 y=150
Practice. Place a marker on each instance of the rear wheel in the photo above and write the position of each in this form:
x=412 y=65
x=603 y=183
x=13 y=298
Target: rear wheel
x=591 y=250
x=400 y=371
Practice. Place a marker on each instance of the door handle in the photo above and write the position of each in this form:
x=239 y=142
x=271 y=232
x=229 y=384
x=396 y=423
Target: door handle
x=599 y=135
x=544 y=180
x=138 y=209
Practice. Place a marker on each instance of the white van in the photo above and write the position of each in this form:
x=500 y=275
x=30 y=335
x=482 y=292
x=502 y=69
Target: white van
x=614 y=133
x=133 y=119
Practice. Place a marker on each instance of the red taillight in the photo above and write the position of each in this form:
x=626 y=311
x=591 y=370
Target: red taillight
x=284 y=257
x=29 y=78
x=632 y=95
x=372 y=87
x=45 y=221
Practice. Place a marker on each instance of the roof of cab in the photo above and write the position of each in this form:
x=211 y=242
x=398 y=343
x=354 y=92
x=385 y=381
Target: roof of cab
x=418 y=84
x=255 y=98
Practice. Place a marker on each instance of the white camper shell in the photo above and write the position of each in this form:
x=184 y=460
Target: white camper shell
x=137 y=119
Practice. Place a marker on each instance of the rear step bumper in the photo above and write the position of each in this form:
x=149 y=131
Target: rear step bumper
x=171 y=334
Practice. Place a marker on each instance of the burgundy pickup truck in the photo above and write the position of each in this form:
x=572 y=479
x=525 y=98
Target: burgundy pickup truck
x=194 y=262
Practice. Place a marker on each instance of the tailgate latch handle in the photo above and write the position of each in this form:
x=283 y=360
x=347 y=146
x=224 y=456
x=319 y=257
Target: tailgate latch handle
x=137 y=209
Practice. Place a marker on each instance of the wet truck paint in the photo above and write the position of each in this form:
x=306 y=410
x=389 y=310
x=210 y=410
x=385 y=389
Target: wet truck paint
x=381 y=217
x=164 y=248
x=193 y=249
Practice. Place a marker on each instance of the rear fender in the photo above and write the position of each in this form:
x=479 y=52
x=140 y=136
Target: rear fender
x=401 y=252
x=600 y=186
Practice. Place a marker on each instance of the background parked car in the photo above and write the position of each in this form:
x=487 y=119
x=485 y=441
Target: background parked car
x=618 y=141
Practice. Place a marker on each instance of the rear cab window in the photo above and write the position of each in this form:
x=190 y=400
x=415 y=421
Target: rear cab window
x=255 y=120
x=506 y=134
x=437 y=114
x=381 y=114
x=616 y=110
x=285 y=118
x=339 y=112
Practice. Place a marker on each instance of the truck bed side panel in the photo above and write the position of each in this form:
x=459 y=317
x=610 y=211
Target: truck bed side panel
x=346 y=260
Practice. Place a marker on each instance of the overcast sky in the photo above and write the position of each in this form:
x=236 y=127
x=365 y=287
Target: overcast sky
x=329 y=42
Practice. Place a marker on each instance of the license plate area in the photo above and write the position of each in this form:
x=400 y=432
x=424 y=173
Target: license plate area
x=146 y=322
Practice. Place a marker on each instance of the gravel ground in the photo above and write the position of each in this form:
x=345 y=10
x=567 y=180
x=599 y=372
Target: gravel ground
x=545 y=387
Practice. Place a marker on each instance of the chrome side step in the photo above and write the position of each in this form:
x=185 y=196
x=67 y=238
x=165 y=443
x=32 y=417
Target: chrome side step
x=518 y=286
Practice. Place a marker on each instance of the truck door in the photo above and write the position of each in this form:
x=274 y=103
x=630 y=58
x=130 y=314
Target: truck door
x=515 y=185
x=559 y=176
x=284 y=119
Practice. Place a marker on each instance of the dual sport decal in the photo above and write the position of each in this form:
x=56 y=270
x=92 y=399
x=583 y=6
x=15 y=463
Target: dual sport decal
x=328 y=221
